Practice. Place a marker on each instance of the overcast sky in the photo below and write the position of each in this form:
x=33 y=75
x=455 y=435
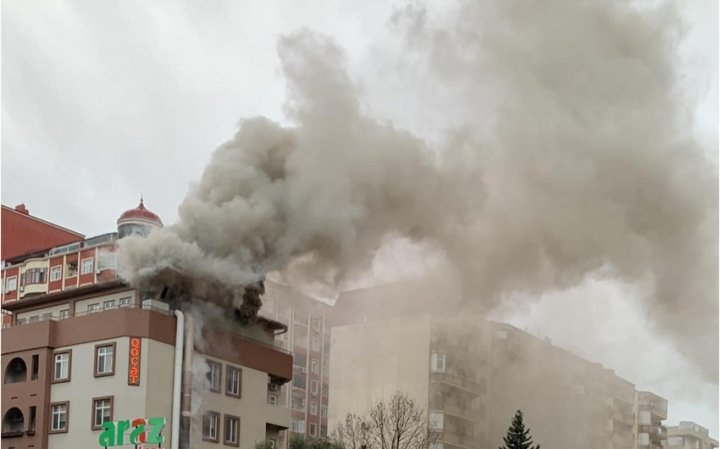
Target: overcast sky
x=104 y=101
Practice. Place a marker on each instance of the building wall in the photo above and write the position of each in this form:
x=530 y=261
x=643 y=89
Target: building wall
x=252 y=407
x=23 y=233
x=153 y=397
x=370 y=362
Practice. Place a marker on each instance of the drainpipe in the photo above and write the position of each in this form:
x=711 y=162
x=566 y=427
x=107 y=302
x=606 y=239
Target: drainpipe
x=186 y=402
x=177 y=378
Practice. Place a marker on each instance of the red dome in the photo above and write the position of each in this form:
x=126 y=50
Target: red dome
x=140 y=213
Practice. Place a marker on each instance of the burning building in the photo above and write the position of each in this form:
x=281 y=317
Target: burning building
x=85 y=356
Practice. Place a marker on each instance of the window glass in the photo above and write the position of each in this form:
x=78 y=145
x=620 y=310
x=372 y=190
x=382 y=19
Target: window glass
x=58 y=418
x=87 y=266
x=104 y=360
x=102 y=411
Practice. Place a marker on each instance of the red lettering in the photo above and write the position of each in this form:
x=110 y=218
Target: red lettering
x=134 y=361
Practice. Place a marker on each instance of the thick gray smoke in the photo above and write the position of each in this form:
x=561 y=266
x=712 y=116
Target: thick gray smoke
x=582 y=162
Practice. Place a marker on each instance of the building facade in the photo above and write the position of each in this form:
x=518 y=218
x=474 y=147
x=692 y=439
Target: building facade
x=688 y=435
x=83 y=350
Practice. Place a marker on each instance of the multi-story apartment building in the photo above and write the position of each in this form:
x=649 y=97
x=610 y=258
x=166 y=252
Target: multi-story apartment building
x=688 y=435
x=308 y=338
x=471 y=375
x=84 y=350
x=24 y=234
x=651 y=412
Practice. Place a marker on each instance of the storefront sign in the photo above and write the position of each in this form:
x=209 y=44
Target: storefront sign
x=134 y=361
x=137 y=431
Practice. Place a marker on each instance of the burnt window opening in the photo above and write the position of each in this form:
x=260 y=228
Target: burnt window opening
x=13 y=423
x=16 y=371
x=35 y=366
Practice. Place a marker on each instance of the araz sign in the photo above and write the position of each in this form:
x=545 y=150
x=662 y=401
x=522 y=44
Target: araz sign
x=136 y=431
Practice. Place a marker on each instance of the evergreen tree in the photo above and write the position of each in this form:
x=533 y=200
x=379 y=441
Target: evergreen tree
x=517 y=436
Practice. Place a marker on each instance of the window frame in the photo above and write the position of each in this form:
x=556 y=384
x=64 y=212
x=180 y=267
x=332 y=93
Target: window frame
x=229 y=369
x=226 y=419
x=56 y=269
x=313 y=406
x=93 y=424
x=52 y=416
x=95 y=306
x=207 y=415
x=314 y=366
x=314 y=387
x=82 y=265
x=124 y=305
x=111 y=302
x=210 y=364
x=7 y=280
x=53 y=380
x=96 y=373
x=312 y=429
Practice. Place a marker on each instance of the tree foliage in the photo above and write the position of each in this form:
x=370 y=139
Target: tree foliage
x=398 y=424
x=518 y=437
x=298 y=442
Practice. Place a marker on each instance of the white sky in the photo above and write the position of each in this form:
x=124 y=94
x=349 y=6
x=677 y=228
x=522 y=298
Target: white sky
x=103 y=101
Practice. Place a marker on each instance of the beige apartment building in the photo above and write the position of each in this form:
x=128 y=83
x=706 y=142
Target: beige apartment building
x=651 y=411
x=89 y=362
x=471 y=375
x=688 y=435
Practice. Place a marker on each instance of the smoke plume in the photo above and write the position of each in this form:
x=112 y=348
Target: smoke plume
x=572 y=155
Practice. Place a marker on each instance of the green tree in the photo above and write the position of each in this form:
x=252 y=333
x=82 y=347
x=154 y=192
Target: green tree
x=518 y=437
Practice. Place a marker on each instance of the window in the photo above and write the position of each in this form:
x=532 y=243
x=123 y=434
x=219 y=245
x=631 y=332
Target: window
x=11 y=284
x=316 y=322
x=109 y=304
x=47 y=316
x=312 y=427
x=87 y=266
x=314 y=387
x=64 y=313
x=71 y=269
x=644 y=439
x=56 y=273
x=436 y=421
x=298 y=425
x=232 y=430
x=34 y=318
x=105 y=360
x=61 y=366
x=102 y=411
x=210 y=426
x=315 y=343
x=93 y=308
x=124 y=302
x=35 y=366
x=214 y=375
x=272 y=399
x=233 y=386
x=59 y=417
x=437 y=363
x=313 y=408
x=314 y=366
x=644 y=417
x=323 y=411
x=35 y=276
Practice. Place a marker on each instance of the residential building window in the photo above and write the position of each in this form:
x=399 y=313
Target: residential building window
x=102 y=411
x=313 y=408
x=56 y=273
x=436 y=421
x=272 y=399
x=315 y=343
x=316 y=322
x=87 y=266
x=232 y=430
x=233 y=385
x=211 y=421
x=11 y=284
x=437 y=362
x=314 y=366
x=313 y=429
x=59 y=417
x=70 y=269
x=34 y=318
x=124 y=302
x=323 y=411
x=47 y=316
x=64 y=313
x=35 y=276
x=61 y=366
x=93 y=308
x=109 y=304
x=298 y=425
x=214 y=375
x=314 y=387
x=105 y=360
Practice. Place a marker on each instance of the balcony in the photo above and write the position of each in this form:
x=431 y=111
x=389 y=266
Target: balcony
x=459 y=382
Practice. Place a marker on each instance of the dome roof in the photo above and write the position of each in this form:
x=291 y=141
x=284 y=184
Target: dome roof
x=139 y=214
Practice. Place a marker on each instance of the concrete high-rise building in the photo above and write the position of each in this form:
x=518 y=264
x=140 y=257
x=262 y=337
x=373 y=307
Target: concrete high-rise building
x=651 y=411
x=688 y=435
x=471 y=375
x=308 y=338
x=87 y=361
